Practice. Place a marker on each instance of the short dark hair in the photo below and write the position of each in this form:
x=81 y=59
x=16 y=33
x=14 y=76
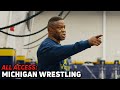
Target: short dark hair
x=53 y=19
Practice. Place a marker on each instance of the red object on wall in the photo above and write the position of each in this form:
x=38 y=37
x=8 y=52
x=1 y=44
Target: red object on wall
x=12 y=28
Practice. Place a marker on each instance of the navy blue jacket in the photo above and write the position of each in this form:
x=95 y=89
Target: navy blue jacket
x=50 y=54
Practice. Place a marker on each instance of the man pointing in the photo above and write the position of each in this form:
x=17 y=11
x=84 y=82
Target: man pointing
x=51 y=53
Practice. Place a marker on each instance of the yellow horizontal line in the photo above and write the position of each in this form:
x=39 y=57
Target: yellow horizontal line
x=20 y=57
x=82 y=62
x=28 y=60
x=7 y=52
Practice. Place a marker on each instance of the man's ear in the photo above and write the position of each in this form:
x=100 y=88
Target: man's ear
x=50 y=30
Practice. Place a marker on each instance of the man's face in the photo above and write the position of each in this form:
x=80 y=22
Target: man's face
x=58 y=30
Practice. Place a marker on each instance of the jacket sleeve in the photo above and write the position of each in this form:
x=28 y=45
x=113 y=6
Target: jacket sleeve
x=65 y=51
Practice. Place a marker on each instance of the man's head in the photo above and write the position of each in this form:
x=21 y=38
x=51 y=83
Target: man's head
x=56 y=28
